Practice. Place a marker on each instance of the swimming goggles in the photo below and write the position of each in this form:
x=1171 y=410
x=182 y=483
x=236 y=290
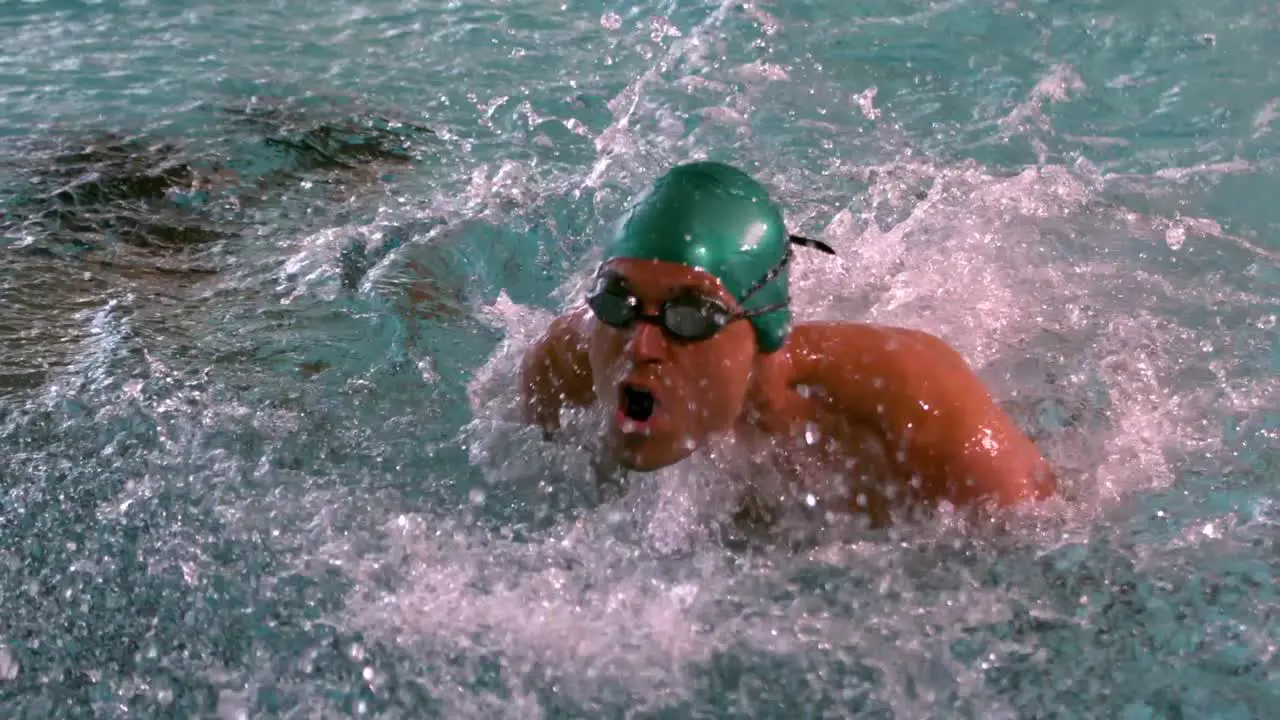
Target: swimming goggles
x=687 y=318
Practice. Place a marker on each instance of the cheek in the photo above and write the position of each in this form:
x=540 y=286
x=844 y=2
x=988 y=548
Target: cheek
x=722 y=383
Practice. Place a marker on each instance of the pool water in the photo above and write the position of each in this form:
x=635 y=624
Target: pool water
x=266 y=271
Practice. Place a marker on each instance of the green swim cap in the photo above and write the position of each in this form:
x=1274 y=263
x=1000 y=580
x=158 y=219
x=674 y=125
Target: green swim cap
x=715 y=218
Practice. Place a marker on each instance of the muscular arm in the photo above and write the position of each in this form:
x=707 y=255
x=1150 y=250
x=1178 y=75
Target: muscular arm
x=555 y=372
x=940 y=425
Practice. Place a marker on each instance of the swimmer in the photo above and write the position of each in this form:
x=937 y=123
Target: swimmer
x=687 y=336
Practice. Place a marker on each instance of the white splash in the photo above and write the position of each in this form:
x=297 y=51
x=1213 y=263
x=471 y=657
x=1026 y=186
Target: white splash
x=9 y=667
x=866 y=103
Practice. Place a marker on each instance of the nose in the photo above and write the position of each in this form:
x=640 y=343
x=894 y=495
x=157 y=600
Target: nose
x=647 y=344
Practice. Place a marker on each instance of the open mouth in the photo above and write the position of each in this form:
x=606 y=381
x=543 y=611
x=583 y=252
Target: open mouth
x=636 y=403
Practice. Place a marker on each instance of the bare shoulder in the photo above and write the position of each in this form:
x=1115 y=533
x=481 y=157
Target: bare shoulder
x=556 y=369
x=879 y=374
x=825 y=347
x=565 y=345
x=924 y=398
x=569 y=331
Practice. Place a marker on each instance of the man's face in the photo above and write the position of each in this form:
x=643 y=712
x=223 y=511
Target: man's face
x=667 y=395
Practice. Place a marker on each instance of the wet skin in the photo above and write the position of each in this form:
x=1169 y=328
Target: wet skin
x=899 y=409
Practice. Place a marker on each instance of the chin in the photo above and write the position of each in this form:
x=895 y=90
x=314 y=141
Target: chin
x=650 y=456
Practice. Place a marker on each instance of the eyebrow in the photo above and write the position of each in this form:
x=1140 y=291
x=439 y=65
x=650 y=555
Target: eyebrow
x=612 y=276
x=693 y=289
x=682 y=290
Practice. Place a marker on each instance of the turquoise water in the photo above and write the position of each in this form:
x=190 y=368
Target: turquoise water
x=266 y=268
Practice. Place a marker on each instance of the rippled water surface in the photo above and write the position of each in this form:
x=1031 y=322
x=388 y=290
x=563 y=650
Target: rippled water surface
x=265 y=270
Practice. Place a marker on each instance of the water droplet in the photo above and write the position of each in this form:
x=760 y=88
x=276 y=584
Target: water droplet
x=860 y=500
x=368 y=673
x=877 y=382
x=8 y=666
x=426 y=368
x=477 y=496
x=660 y=27
x=810 y=500
x=811 y=433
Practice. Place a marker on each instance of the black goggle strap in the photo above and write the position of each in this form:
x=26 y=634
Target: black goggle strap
x=782 y=265
x=773 y=273
x=762 y=311
x=811 y=243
